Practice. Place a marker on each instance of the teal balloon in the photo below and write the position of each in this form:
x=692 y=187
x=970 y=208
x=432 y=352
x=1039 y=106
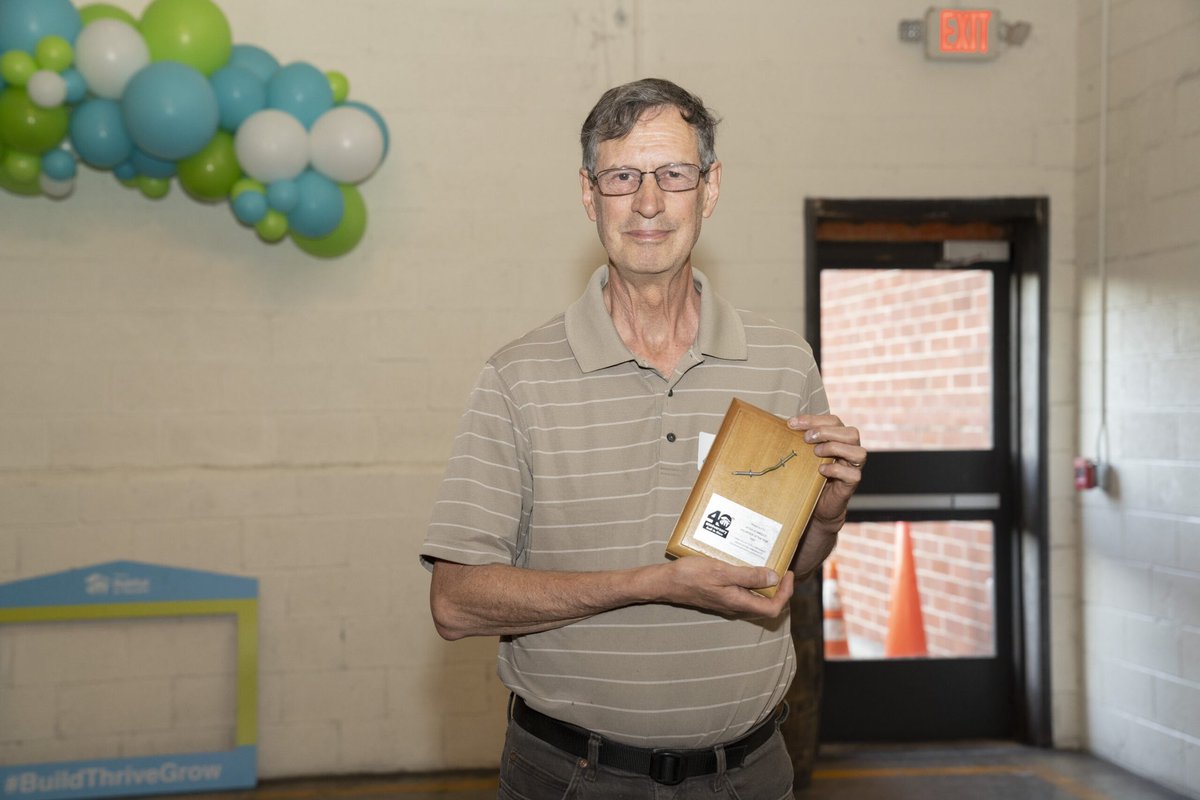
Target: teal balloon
x=254 y=60
x=170 y=110
x=283 y=195
x=250 y=207
x=125 y=171
x=59 y=165
x=76 y=85
x=98 y=133
x=151 y=167
x=319 y=206
x=24 y=23
x=239 y=94
x=301 y=90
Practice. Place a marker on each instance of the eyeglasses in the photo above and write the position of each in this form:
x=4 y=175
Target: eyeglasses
x=626 y=180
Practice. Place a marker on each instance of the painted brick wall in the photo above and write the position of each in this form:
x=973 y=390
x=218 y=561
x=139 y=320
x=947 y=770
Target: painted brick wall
x=1140 y=540
x=173 y=390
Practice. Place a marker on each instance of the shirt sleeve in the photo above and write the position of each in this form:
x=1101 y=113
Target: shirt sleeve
x=480 y=509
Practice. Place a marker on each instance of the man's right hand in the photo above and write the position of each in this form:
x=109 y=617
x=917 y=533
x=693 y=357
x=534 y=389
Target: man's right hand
x=713 y=585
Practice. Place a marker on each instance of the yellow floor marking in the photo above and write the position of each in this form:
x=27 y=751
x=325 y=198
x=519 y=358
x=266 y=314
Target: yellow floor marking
x=1069 y=785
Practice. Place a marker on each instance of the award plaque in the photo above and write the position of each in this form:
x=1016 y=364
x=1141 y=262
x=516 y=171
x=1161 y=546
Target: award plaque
x=754 y=495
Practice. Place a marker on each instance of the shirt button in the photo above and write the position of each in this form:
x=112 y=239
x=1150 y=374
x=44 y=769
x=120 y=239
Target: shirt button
x=670 y=392
x=670 y=437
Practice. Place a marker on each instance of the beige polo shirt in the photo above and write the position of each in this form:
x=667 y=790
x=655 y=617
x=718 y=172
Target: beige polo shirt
x=573 y=456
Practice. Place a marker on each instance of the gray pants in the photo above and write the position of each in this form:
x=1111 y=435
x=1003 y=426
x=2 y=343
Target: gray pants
x=531 y=769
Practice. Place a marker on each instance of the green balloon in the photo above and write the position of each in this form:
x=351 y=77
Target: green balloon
x=27 y=127
x=272 y=227
x=246 y=185
x=54 y=53
x=26 y=189
x=22 y=167
x=211 y=173
x=94 y=11
x=340 y=85
x=346 y=235
x=193 y=32
x=154 y=188
x=16 y=67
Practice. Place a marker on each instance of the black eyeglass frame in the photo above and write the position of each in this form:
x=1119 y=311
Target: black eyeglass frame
x=594 y=177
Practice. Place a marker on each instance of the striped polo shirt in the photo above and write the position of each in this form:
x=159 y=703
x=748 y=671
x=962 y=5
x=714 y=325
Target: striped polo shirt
x=572 y=455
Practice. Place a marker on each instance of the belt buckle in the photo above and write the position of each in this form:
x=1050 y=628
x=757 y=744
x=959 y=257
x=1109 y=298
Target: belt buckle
x=666 y=767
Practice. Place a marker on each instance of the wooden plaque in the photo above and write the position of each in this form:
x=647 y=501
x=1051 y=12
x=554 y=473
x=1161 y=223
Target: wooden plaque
x=754 y=495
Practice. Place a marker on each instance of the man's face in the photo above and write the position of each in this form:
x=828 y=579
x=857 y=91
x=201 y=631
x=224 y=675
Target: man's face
x=651 y=232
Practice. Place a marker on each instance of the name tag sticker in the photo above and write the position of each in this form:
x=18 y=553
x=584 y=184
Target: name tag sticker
x=737 y=531
x=703 y=445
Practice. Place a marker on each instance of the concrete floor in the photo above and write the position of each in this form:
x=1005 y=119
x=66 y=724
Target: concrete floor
x=978 y=771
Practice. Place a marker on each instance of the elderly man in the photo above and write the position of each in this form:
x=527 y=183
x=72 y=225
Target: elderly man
x=631 y=672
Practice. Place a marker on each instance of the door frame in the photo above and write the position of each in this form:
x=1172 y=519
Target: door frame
x=1028 y=440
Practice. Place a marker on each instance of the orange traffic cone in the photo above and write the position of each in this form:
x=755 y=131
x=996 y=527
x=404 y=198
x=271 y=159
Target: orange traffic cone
x=836 y=644
x=906 y=625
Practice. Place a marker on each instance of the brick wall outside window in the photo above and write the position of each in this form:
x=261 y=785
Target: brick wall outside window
x=906 y=357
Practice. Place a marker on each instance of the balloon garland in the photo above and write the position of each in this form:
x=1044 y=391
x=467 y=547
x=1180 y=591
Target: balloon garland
x=169 y=96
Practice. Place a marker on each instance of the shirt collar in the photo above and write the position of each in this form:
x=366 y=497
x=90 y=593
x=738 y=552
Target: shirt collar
x=596 y=344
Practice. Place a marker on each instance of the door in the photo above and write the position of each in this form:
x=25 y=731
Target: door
x=915 y=312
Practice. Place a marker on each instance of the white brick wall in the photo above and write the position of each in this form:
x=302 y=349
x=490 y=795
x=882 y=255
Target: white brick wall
x=1140 y=586
x=175 y=391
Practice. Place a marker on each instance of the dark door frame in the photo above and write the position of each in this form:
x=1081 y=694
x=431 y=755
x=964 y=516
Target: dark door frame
x=1027 y=219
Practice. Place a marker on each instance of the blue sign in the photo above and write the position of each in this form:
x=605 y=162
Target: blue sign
x=127 y=590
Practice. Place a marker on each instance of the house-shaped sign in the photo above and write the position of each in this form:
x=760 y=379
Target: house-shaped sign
x=133 y=590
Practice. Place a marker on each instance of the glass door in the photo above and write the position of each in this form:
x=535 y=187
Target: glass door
x=911 y=324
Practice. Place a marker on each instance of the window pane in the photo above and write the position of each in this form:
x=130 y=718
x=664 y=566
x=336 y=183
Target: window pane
x=952 y=564
x=906 y=356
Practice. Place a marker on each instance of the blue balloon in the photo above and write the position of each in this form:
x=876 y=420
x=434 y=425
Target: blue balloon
x=76 y=86
x=302 y=90
x=239 y=94
x=125 y=171
x=320 y=207
x=24 y=23
x=250 y=207
x=283 y=195
x=98 y=133
x=151 y=167
x=59 y=165
x=375 y=115
x=170 y=110
x=254 y=59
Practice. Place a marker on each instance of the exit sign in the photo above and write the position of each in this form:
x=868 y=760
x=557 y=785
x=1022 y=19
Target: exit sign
x=971 y=34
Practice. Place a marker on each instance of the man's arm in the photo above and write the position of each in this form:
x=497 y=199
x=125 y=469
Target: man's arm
x=502 y=600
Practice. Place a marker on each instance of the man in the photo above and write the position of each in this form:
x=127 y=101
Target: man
x=630 y=671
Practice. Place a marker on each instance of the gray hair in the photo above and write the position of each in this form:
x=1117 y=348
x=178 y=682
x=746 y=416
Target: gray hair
x=619 y=109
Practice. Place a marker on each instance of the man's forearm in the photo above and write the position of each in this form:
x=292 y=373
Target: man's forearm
x=501 y=600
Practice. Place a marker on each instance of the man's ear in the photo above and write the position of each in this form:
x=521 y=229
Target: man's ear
x=712 y=188
x=589 y=194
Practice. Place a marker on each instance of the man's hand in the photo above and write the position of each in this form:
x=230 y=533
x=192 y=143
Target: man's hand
x=830 y=439
x=713 y=585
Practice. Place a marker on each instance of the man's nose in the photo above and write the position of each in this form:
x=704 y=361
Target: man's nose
x=648 y=199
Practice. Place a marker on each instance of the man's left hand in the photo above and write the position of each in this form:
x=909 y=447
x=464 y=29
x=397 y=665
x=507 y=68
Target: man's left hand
x=833 y=439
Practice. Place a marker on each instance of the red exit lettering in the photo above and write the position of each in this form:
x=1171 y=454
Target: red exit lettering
x=964 y=31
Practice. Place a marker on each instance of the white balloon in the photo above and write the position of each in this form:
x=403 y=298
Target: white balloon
x=47 y=89
x=108 y=52
x=56 y=189
x=271 y=145
x=346 y=144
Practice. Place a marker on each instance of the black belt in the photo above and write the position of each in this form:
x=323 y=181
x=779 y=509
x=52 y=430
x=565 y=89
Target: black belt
x=664 y=765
